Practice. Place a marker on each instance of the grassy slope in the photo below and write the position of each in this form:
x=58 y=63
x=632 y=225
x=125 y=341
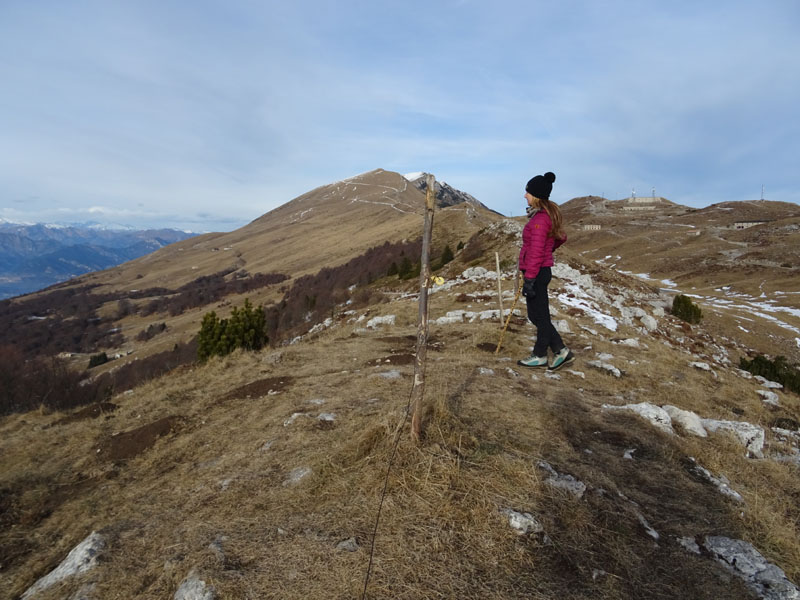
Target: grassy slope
x=213 y=478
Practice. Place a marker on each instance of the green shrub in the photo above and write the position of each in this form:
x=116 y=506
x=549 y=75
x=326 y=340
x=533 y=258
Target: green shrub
x=98 y=359
x=775 y=370
x=685 y=309
x=246 y=328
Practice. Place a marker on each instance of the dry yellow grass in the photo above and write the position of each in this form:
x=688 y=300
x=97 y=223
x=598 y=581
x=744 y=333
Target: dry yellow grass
x=211 y=495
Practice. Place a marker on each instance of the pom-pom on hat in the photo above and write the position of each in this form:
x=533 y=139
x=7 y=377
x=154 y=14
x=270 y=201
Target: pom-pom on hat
x=541 y=185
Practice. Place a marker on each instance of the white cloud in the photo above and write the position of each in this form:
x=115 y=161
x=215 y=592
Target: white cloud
x=233 y=108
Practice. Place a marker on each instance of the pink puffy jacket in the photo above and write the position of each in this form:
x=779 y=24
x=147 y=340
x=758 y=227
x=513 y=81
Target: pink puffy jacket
x=537 y=247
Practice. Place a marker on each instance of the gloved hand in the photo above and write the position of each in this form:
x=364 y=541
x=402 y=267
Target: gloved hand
x=527 y=288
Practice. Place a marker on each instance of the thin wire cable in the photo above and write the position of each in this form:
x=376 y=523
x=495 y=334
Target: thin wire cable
x=385 y=488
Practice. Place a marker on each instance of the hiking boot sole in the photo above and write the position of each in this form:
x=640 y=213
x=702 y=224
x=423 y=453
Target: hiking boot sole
x=570 y=359
x=522 y=364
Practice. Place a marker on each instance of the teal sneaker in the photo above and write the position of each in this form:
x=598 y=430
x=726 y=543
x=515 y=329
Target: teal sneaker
x=563 y=357
x=533 y=361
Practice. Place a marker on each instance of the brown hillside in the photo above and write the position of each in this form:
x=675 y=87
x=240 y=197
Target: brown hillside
x=260 y=474
x=324 y=228
x=699 y=252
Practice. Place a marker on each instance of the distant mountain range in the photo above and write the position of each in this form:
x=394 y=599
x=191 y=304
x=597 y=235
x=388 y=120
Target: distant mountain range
x=36 y=256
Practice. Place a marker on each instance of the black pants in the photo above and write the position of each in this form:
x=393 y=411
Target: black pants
x=539 y=315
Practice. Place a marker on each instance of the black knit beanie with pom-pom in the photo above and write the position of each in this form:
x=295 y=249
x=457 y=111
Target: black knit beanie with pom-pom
x=541 y=185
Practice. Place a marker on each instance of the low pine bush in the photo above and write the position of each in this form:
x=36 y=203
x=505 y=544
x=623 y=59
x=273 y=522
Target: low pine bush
x=686 y=310
x=775 y=370
x=246 y=328
x=98 y=359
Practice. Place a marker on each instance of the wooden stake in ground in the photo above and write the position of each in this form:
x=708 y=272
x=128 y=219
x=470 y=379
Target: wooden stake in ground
x=510 y=314
x=499 y=287
x=418 y=391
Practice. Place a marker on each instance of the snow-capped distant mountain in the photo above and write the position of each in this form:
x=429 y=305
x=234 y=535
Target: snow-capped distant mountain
x=35 y=256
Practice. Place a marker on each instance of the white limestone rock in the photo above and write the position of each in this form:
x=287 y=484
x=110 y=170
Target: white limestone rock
x=392 y=374
x=478 y=273
x=194 y=588
x=773 y=385
x=296 y=475
x=768 y=397
x=688 y=420
x=655 y=414
x=563 y=481
x=649 y=323
x=700 y=365
x=562 y=326
x=650 y=531
x=747 y=563
x=348 y=545
x=749 y=435
x=689 y=544
x=630 y=343
x=451 y=317
x=721 y=482
x=82 y=558
x=604 y=366
x=522 y=523
x=320 y=326
x=378 y=321
x=293 y=418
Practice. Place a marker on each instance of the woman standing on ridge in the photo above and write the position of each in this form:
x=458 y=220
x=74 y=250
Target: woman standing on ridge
x=542 y=234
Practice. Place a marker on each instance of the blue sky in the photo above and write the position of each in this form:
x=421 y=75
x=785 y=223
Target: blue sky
x=206 y=114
